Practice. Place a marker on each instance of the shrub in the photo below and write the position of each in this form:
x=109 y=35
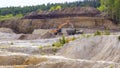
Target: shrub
x=97 y=33
x=106 y=32
x=57 y=44
x=73 y=38
x=60 y=43
x=54 y=49
x=12 y=43
x=111 y=66
x=63 y=41
x=88 y=36
x=119 y=38
x=67 y=40
x=40 y=47
x=83 y=35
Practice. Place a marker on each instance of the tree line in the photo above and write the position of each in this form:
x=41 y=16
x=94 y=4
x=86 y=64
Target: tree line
x=50 y=6
x=112 y=8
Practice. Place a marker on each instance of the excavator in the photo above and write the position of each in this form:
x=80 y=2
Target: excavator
x=70 y=31
x=58 y=31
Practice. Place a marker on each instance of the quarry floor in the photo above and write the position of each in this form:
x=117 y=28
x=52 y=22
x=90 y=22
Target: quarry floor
x=39 y=53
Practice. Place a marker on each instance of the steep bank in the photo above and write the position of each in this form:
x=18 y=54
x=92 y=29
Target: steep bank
x=28 y=25
x=80 y=17
x=96 y=48
x=63 y=13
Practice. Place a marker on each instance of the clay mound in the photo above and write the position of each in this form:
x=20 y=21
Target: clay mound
x=6 y=30
x=95 y=48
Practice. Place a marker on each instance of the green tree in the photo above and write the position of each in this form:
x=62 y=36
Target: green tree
x=58 y=7
x=55 y=8
x=112 y=8
x=117 y=10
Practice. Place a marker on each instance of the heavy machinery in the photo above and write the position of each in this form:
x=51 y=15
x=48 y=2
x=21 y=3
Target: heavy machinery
x=69 y=31
x=59 y=31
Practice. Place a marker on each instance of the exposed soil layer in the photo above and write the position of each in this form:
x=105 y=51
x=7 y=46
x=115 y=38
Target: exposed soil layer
x=84 y=17
x=67 y=12
x=28 y=25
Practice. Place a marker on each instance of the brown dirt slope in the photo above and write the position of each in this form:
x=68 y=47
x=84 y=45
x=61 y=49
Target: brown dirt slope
x=67 y=12
x=28 y=25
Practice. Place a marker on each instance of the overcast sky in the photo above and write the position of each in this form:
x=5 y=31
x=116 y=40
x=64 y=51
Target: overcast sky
x=6 y=3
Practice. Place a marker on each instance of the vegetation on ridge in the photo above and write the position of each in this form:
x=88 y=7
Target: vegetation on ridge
x=63 y=41
x=50 y=6
x=112 y=8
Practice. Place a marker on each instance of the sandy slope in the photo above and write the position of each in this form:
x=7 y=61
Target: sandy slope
x=106 y=48
x=90 y=52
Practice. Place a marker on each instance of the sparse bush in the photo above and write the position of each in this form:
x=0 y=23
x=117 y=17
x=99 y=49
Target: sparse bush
x=63 y=41
x=119 y=38
x=60 y=43
x=111 y=66
x=97 y=33
x=73 y=38
x=83 y=35
x=40 y=47
x=88 y=36
x=12 y=43
x=67 y=40
x=106 y=32
x=54 y=49
x=57 y=44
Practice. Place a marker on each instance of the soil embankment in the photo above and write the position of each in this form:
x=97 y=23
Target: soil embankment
x=28 y=25
x=81 y=17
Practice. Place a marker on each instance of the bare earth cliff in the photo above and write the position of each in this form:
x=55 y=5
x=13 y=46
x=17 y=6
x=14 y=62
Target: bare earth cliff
x=81 y=17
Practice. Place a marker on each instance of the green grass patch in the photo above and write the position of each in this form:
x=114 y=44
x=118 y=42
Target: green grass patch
x=63 y=41
x=106 y=32
x=10 y=16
